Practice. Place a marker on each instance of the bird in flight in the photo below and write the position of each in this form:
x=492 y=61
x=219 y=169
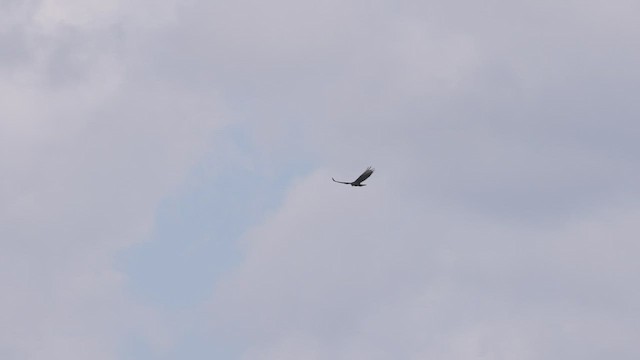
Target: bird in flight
x=360 y=179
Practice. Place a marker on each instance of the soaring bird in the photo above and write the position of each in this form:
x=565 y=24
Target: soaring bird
x=360 y=178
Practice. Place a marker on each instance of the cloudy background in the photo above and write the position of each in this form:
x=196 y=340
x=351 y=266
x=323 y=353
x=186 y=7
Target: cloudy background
x=165 y=177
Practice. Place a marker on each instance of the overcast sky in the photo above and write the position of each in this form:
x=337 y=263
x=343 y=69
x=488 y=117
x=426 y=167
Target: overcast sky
x=166 y=193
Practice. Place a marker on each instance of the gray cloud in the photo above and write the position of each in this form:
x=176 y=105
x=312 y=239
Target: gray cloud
x=500 y=222
x=88 y=151
x=503 y=204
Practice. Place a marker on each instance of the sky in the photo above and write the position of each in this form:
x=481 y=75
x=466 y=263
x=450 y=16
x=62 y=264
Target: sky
x=166 y=193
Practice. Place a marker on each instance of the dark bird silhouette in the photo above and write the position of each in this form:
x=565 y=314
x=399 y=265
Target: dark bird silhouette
x=360 y=178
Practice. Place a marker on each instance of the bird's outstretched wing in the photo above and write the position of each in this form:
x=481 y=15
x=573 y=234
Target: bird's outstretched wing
x=365 y=175
x=341 y=182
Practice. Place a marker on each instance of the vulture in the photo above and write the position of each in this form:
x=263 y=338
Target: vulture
x=360 y=179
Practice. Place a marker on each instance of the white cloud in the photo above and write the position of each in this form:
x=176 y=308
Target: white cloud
x=346 y=273
x=88 y=151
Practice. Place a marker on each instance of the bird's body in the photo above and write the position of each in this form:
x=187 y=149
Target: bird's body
x=358 y=182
